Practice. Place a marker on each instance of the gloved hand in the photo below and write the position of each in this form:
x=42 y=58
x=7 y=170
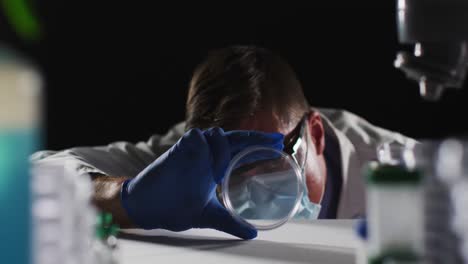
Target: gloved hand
x=177 y=191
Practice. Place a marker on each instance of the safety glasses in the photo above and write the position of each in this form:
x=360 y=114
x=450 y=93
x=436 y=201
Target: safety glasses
x=297 y=145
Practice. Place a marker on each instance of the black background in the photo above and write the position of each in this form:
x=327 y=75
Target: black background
x=120 y=71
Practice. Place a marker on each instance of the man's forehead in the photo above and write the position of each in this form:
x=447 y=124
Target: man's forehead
x=267 y=122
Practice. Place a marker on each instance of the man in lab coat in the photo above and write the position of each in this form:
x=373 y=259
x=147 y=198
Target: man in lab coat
x=249 y=89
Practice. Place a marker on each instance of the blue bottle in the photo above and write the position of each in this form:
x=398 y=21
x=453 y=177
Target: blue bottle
x=20 y=114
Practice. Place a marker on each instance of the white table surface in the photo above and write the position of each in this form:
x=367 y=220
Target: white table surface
x=320 y=241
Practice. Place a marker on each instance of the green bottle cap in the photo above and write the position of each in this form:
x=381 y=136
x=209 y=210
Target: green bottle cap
x=396 y=256
x=105 y=227
x=391 y=174
x=22 y=17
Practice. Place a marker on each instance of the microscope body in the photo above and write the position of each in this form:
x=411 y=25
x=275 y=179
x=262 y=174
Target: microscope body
x=438 y=29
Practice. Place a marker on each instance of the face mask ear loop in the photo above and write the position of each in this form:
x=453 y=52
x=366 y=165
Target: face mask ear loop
x=306 y=136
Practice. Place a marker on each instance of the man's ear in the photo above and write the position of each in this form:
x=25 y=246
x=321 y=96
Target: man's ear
x=317 y=132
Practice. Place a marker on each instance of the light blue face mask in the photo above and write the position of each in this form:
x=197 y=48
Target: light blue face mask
x=273 y=196
x=307 y=209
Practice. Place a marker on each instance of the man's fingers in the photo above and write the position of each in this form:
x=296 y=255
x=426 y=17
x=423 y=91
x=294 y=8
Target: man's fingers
x=225 y=145
x=259 y=158
x=219 y=147
x=239 y=140
x=217 y=217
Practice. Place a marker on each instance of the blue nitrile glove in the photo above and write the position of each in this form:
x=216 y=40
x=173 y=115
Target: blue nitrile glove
x=177 y=191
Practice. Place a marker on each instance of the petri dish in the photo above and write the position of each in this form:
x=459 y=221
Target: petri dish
x=262 y=187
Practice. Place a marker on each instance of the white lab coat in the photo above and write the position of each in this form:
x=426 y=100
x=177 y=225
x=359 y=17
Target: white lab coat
x=357 y=140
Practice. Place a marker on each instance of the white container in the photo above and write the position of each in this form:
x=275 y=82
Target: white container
x=395 y=212
x=63 y=216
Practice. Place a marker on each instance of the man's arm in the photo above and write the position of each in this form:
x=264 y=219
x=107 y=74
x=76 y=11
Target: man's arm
x=106 y=197
x=115 y=159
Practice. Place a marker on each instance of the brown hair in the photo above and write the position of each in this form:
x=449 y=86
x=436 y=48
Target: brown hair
x=237 y=82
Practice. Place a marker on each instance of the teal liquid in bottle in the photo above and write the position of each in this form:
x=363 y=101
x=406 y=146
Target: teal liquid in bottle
x=15 y=147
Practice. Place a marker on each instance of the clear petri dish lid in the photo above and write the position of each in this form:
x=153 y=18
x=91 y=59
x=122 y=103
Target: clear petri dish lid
x=262 y=187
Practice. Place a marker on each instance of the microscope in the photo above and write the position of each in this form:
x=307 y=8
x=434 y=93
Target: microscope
x=438 y=29
x=425 y=219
